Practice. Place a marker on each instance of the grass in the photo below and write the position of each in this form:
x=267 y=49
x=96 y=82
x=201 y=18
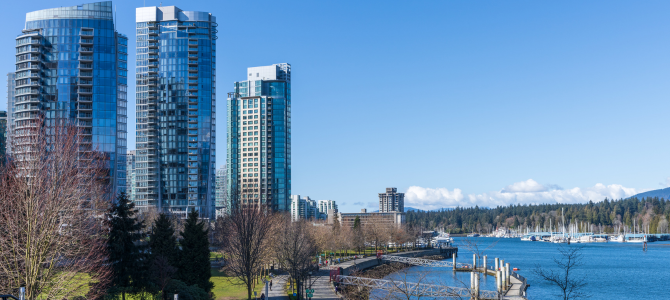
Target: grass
x=227 y=288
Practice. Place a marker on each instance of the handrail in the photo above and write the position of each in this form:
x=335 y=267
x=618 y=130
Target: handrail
x=5 y=297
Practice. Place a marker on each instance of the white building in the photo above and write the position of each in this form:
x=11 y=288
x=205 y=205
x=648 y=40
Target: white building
x=303 y=208
x=324 y=206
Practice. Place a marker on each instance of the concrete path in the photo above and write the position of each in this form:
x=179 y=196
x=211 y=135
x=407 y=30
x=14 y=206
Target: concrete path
x=277 y=292
x=323 y=289
x=515 y=290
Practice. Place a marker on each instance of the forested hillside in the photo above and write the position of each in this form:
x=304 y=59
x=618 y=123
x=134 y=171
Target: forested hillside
x=608 y=216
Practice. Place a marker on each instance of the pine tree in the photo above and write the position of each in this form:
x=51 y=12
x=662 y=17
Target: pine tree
x=194 y=265
x=357 y=223
x=126 y=257
x=162 y=240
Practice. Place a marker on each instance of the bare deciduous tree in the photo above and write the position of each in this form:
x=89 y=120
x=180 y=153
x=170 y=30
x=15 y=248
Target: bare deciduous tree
x=571 y=284
x=295 y=249
x=378 y=231
x=54 y=194
x=247 y=243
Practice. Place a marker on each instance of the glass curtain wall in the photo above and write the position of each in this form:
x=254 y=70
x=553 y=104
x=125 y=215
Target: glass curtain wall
x=71 y=64
x=175 y=160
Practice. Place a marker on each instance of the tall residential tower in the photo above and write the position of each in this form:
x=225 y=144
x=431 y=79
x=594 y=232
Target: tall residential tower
x=259 y=139
x=71 y=64
x=176 y=105
x=391 y=201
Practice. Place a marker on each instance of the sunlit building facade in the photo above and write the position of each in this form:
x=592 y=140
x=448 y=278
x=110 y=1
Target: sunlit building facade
x=176 y=105
x=259 y=139
x=71 y=64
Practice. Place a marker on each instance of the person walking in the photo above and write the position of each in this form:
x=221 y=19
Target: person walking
x=270 y=284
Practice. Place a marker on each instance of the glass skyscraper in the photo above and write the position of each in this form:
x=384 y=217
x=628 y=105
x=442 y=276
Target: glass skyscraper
x=130 y=175
x=71 y=64
x=221 y=195
x=11 y=87
x=259 y=139
x=176 y=105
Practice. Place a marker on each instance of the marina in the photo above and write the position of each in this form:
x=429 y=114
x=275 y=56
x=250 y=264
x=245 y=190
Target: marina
x=607 y=267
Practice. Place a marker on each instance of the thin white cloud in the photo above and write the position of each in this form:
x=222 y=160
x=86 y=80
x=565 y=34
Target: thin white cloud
x=524 y=192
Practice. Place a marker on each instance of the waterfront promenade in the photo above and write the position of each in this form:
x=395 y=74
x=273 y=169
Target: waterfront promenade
x=511 y=285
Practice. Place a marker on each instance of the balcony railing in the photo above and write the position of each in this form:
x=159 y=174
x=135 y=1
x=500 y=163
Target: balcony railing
x=85 y=41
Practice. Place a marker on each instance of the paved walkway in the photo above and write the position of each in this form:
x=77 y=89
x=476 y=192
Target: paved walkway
x=515 y=290
x=323 y=289
x=278 y=284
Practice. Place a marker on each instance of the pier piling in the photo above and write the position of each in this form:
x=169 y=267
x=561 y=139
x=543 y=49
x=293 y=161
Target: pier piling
x=474 y=261
x=507 y=273
x=484 y=265
x=497 y=263
x=454 y=258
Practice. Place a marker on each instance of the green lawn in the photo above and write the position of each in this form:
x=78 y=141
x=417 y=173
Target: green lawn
x=233 y=289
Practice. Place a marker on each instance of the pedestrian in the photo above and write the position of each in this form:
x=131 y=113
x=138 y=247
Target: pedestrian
x=270 y=284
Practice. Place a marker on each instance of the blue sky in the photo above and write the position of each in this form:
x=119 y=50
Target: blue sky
x=454 y=102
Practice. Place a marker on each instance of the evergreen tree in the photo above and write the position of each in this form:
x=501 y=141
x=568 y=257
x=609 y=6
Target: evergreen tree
x=194 y=265
x=126 y=257
x=357 y=223
x=162 y=240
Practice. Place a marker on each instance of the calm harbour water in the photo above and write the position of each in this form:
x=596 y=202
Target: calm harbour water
x=613 y=270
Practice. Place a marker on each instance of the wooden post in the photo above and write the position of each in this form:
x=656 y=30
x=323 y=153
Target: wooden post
x=474 y=261
x=477 y=286
x=454 y=259
x=507 y=271
x=499 y=281
x=497 y=263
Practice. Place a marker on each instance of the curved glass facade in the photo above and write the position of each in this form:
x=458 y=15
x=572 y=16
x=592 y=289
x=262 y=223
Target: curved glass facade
x=175 y=156
x=71 y=64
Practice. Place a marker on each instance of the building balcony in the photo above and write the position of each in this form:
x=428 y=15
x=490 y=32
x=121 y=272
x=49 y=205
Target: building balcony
x=86 y=41
x=84 y=74
x=86 y=58
x=86 y=33
x=34 y=75
x=85 y=91
x=32 y=83
x=192 y=75
x=153 y=57
x=28 y=92
x=83 y=115
x=85 y=82
x=153 y=45
x=154 y=32
x=84 y=99
x=152 y=39
x=86 y=50
x=193 y=62
x=193 y=88
x=85 y=107
x=84 y=66
x=153 y=71
x=192 y=49
x=153 y=51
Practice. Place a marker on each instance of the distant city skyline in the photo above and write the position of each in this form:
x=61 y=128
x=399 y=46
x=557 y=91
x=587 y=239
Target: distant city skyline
x=520 y=102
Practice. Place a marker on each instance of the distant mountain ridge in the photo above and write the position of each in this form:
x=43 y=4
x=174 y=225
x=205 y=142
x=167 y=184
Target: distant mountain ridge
x=660 y=193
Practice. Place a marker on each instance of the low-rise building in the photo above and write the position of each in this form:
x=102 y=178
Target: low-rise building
x=391 y=218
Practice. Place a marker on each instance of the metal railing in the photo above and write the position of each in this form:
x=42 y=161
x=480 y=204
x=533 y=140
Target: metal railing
x=415 y=289
x=424 y=262
x=523 y=280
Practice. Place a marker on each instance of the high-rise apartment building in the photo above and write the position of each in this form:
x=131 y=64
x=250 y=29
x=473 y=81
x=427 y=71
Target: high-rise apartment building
x=325 y=205
x=3 y=135
x=176 y=105
x=391 y=201
x=11 y=89
x=303 y=208
x=71 y=65
x=221 y=204
x=130 y=175
x=259 y=138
